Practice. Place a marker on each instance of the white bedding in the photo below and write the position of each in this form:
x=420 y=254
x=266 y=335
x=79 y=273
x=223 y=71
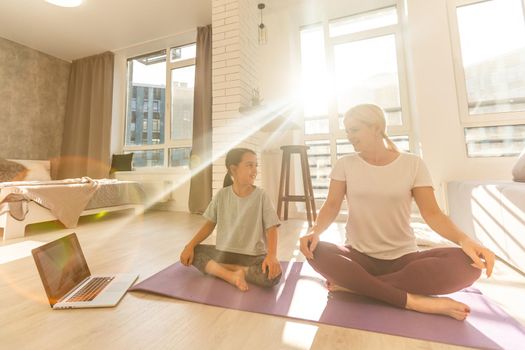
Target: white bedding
x=33 y=201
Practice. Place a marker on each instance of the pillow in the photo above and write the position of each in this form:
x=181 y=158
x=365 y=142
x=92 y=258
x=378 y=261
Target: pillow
x=37 y=170
x=11 y=171
x=518 y=172
x=121 y=162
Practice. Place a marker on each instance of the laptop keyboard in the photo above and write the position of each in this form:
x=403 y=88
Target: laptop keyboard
x=91 y=289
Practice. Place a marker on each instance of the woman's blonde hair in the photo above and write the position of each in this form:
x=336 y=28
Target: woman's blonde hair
x=371 y=114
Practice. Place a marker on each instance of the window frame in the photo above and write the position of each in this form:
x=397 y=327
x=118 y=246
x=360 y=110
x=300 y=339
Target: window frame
x=477 y=120
x=168 y=142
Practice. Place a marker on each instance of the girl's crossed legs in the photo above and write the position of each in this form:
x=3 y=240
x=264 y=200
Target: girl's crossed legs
x=234 y=268
x=405 y=282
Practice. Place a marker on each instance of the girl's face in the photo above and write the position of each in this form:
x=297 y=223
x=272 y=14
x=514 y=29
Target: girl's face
x=245 y=172
x=362 y=136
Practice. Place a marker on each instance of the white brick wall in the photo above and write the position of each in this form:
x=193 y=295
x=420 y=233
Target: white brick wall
x=234 y=76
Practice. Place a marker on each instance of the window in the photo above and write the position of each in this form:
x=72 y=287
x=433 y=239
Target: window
x=180 y=156
x=495 y=141
x=348 y=61
x=363 y=21
x=156 y=139
x=366 y=70
x=182 y=86
x=320 y=165
x=490 y=65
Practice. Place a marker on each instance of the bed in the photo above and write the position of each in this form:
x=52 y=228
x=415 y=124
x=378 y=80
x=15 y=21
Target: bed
x=32 y=197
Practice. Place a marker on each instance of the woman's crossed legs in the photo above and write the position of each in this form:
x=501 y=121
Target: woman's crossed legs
x=406 y=282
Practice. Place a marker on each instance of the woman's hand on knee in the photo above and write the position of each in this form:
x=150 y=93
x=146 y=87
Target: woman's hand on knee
x=483 y=258
x=308 y=244
x=186 y=257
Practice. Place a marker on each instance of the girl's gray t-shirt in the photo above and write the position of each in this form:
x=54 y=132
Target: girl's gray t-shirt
x=241 y=221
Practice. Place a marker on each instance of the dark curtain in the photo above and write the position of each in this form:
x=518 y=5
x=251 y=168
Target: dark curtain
x=87 y=125
x=201 y=152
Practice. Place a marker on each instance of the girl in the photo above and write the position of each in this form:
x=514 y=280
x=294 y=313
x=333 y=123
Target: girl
x=246 y=223
x=380 y=258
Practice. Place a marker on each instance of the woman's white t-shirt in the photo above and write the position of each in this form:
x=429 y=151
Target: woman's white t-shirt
x=379 y=200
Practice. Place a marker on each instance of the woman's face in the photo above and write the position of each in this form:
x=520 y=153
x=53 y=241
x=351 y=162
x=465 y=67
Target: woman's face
x=362 y=136
x=245 y=172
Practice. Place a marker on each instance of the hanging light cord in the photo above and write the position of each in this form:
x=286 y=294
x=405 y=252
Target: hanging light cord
x=261 y=7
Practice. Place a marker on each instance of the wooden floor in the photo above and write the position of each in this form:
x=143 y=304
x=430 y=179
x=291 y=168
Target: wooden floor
x=145 y=245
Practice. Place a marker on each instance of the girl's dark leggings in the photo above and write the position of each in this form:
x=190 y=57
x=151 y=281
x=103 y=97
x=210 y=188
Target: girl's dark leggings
x=203 y=253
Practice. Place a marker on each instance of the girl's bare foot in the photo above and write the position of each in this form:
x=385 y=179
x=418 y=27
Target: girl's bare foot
x=235 y=276
x=238 y=280
x=332 y=287
x=231 y=267
x=437 y=305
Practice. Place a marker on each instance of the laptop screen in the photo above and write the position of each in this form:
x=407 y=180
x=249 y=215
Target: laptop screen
x=61 y=265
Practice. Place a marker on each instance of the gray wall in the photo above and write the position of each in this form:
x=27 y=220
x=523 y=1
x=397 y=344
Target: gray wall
x=33 y=92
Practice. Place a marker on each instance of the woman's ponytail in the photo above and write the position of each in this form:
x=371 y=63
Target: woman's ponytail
x=389 y=143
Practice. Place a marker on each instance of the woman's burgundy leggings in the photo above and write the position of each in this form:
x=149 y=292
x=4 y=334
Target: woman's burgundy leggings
x=429 y=272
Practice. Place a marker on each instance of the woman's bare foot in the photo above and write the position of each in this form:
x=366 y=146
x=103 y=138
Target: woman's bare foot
x=332 y=287
x=437 y=305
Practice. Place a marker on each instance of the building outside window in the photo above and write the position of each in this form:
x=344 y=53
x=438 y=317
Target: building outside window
x=159 y=108
x=345 y=62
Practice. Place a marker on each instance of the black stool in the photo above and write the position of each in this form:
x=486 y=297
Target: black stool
x=284 y=183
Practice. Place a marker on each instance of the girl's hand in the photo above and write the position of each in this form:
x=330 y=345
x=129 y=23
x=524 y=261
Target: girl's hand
x=273 y=266
x=308 y=244
x=483 y=257
x=186 y=257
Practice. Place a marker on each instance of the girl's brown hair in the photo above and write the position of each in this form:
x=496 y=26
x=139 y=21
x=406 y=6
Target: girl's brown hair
x=234 y=157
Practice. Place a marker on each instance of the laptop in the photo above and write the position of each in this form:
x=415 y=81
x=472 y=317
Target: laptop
x=68 y=281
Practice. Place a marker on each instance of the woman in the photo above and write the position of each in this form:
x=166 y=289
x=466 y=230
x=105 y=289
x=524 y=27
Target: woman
x=380 y=259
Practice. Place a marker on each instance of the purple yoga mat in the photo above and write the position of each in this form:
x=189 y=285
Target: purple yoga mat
x=302 y=295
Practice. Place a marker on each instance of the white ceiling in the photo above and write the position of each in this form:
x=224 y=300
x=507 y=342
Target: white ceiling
x=97 y=25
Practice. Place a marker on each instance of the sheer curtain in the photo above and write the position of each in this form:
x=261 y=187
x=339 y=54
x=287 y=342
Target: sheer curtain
x=201 y=153
x=87 y=125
